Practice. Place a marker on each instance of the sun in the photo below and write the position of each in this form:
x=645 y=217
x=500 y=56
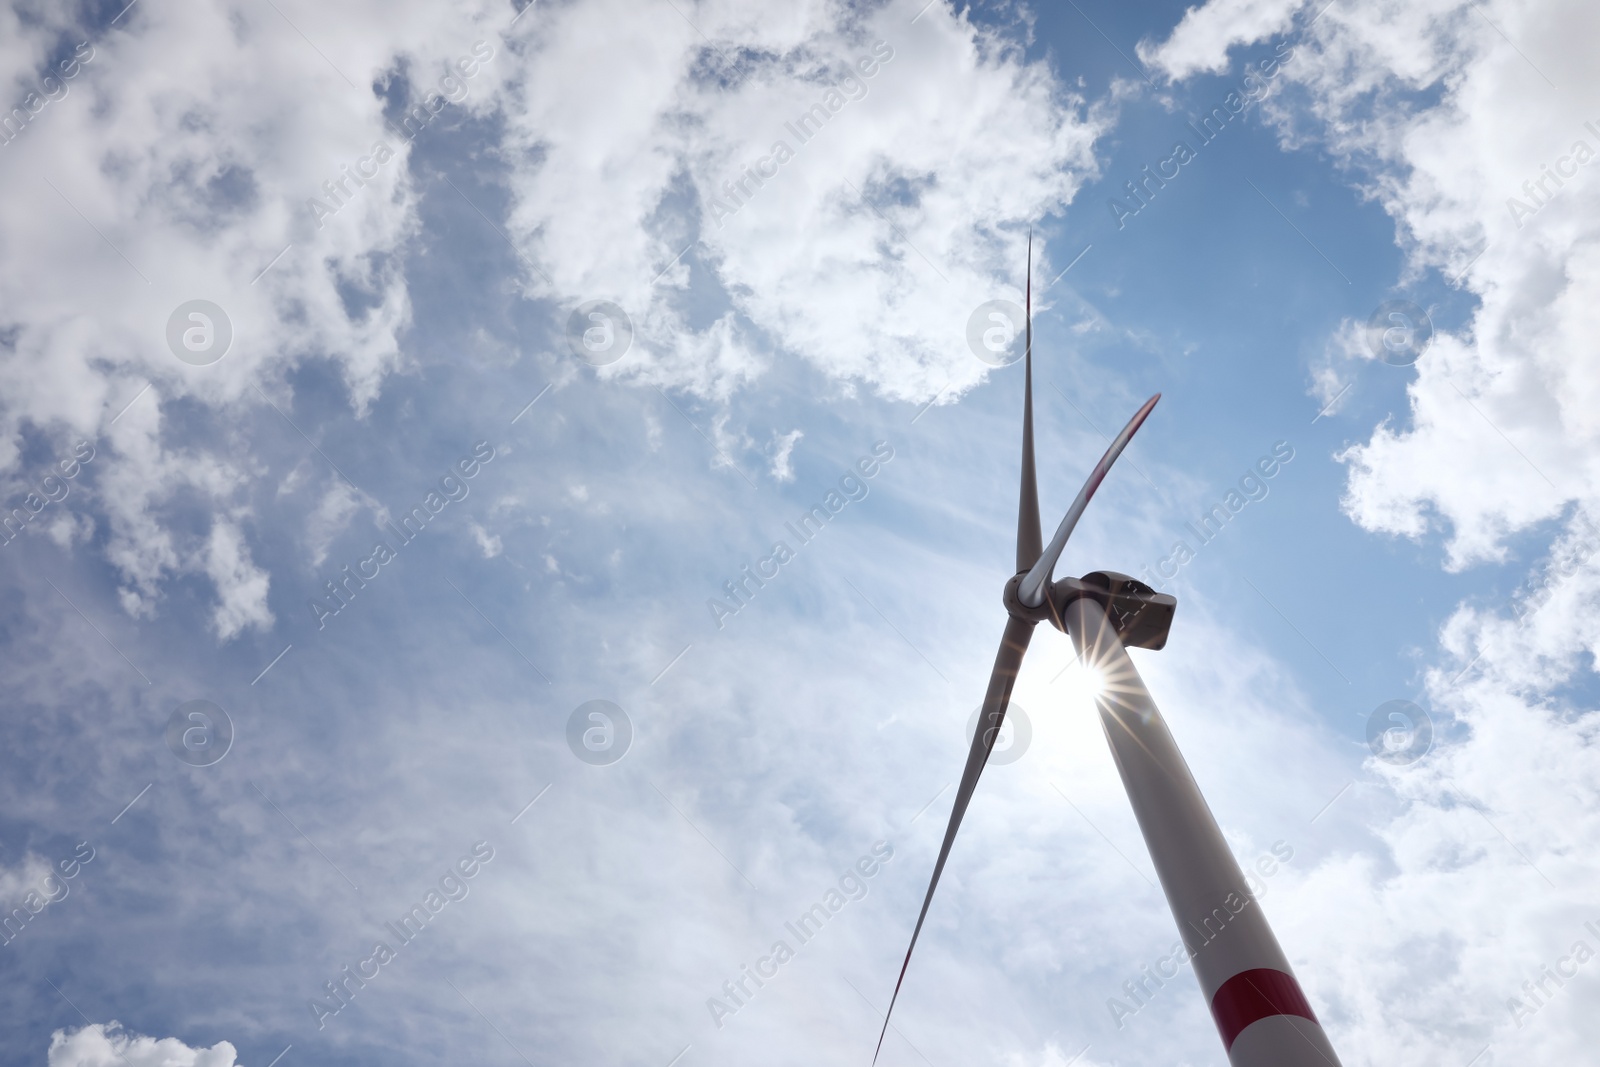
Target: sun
x=1081 y=684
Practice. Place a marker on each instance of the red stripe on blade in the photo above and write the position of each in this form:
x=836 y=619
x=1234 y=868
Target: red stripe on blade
x=1253 y=995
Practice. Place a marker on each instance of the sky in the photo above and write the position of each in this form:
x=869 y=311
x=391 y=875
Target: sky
x=411 y=646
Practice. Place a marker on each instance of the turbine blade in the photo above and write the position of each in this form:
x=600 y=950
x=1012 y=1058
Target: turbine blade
x=1006 y=664
x=1031 y=589
x=1029 y=538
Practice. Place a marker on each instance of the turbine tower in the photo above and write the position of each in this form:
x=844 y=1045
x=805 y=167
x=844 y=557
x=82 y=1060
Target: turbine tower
x=1261 y=1013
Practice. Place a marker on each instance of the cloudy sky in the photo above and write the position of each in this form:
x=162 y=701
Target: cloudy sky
x=382 y=384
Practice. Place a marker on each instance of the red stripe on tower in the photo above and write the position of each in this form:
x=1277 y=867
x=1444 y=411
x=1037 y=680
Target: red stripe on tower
x=1250 y=996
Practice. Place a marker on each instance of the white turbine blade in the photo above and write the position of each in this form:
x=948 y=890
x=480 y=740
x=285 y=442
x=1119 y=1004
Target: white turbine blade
x=1028 y=537
x=1007 y=662
x=1031 y=589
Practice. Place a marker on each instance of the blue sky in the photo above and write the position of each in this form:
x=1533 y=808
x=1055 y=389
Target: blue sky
x=812 y=335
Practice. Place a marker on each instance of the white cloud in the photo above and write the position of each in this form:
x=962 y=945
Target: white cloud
x=241 y=585
x=1441 y=112
x=1503 y=427
x=889 y=215
x=1200 y=42
x=489 y=544
x=18 y=880
x=782 y=449
x=67 y=530
x=109 y=1045
x=332 y=515
x=1503 y=422
x=169 y=173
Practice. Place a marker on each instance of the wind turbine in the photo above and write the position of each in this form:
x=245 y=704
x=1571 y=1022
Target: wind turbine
x=1261 y=1013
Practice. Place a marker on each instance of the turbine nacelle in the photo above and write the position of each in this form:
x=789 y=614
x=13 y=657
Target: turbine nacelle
x=1141 y=616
